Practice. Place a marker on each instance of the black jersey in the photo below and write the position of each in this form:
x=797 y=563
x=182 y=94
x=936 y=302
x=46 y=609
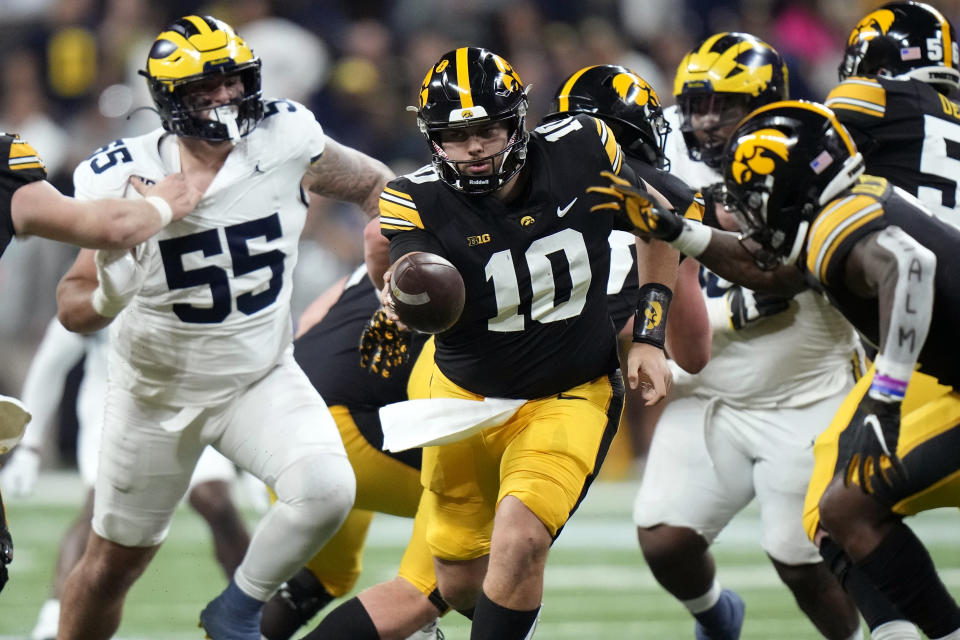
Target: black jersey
x=869 y=206
x=21 y=166
x=329 y=352
x=535 y=321
x=908 y=133
x=623 y=288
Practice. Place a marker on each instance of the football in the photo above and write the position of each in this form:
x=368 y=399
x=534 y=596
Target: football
x=428 y=292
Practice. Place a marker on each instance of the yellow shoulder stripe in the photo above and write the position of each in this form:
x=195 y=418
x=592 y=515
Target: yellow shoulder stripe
x=834 y=225
x=859 y=94
x=398 y=211
x=23 y=156
x=614 y=154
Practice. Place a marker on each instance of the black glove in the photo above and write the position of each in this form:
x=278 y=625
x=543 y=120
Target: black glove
x=876 y=430
x=637 y=208
x=6 y=553
x=383 y=346
x=746 y=306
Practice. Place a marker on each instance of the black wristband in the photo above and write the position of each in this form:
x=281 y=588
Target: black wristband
x=650 y=320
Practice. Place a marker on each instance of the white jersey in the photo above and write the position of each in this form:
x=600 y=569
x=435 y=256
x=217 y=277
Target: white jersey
x=789 y=359
x=214 y=313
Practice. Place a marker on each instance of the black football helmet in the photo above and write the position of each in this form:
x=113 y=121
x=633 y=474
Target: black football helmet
x=782 y=164
x=728 y=74
x=904 y=40
x=622 y=99
x=194 y=49
x=467 y=87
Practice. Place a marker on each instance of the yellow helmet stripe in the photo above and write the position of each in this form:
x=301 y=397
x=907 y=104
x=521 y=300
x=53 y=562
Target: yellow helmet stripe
x=563 y=103
x=203 y=27
x=815 y=107
x=463 y=79
x=945 y=31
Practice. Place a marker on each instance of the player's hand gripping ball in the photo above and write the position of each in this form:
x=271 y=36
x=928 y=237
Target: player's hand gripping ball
x=427 y=292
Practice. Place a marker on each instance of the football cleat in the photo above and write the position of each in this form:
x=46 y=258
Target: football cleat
x=726 y=618
x=233 y=615
x=429 y=632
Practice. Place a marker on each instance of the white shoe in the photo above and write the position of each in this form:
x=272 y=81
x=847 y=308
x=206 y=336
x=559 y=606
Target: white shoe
x=47 y=621
x=13 y=421
x=429 y=632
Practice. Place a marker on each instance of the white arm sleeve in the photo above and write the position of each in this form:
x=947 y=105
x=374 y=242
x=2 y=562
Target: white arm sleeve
x=59 y=351
x=912 y=304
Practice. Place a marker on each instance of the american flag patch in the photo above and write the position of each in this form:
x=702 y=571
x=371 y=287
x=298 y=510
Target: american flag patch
x=821 y=162
x=910 y=53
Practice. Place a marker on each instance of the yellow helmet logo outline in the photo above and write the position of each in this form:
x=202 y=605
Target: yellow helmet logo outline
x=643 y=93
x=872 y=25
x=510 y=78
x=757 y=153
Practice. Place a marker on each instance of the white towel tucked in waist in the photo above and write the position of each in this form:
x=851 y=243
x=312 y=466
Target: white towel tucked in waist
x=432 y=421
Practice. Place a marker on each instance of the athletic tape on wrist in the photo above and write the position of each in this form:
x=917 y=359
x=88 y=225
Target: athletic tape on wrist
x=890 y=380
x=650 y=319
x=693 y=239
x=162 y=207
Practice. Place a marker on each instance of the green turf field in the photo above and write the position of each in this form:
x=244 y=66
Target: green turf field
x=597 y=583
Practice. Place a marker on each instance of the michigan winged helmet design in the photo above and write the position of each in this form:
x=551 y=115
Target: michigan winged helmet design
x=904 y=40
x=625 y=101
x=189 y=53
x=472 y=86
x=725 y=76
x=782 y=163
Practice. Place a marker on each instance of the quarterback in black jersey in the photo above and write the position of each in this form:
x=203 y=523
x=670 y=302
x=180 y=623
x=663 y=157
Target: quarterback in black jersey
x=509 y=209
x=900 y=66
x=29 y=205
x=808 y=215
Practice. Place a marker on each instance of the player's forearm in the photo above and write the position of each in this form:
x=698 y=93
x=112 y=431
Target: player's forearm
x=905 y=292
x=119 y=224
x=689 y=338
x=74 y=305
x=40 y=210
x=726 y=257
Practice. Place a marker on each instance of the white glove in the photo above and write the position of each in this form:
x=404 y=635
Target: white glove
x=121 y=276
x=740 y=307
x=18 y=477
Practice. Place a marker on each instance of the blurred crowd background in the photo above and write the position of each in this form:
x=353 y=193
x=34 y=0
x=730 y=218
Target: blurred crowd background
x=68 y=71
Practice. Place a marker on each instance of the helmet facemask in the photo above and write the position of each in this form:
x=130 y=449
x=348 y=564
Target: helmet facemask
x=231 y=120
x=721 y=111
x=506 y=163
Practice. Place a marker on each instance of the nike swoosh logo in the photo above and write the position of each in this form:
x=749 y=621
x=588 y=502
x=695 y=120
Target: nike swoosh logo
x=562 y=212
